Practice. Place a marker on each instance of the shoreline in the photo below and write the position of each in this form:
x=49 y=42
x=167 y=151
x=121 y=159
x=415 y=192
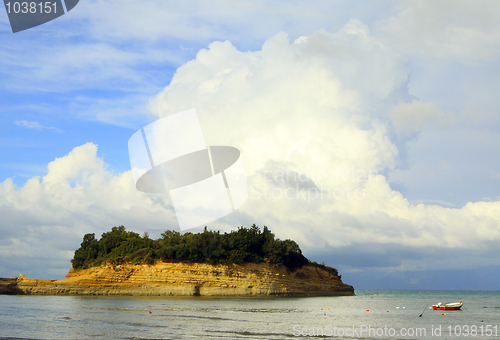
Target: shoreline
x=186 y=279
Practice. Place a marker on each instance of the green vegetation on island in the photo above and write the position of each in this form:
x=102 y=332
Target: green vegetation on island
x=241 y=246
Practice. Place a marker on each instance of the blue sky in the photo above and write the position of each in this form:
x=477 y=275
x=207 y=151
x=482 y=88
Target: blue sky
x=403 y=88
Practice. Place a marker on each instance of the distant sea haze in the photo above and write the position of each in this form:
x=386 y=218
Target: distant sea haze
x=380 y=312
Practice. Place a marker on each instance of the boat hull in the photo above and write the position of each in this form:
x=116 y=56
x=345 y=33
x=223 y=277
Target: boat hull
x=448 y=306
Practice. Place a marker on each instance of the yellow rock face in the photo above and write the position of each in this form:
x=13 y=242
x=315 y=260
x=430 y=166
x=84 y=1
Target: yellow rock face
x=184 y=279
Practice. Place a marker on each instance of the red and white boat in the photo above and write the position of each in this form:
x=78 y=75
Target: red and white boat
x=448 y=306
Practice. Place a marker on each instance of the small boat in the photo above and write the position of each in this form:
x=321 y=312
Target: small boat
x=448 y=306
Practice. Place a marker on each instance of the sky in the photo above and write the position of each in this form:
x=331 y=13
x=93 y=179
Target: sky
x=369 y=131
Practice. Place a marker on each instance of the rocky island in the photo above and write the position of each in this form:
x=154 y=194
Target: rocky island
x=244 y=262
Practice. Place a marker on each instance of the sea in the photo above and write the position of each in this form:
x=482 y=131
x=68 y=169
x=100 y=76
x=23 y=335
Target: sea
x=371 y=314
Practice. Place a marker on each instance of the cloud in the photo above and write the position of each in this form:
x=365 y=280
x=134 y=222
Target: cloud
x=130 y=111
x=46 y=218
x=201 y=21
x=452 y=164
x=324 y=107
x=35 y=126
x=410 y=118
x=453 y=30
x=124 y=48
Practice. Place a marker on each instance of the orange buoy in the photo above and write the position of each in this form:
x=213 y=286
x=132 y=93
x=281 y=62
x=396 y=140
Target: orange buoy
x=149 y=312
x=367 y=310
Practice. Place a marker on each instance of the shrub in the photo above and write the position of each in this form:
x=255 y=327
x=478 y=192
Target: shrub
x=241 y=246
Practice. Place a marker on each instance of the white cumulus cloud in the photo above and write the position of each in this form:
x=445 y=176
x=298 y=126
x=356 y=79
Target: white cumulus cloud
x=322 y=107
x=46 y=218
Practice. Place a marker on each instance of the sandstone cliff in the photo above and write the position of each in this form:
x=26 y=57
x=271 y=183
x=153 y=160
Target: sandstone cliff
x=186 y=279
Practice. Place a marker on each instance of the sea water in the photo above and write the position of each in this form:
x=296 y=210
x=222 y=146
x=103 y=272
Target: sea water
x=371 y=314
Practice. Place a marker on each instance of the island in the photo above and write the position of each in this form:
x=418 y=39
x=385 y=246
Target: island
x=246 y=262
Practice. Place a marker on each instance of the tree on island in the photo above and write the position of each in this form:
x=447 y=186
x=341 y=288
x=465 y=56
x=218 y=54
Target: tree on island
x=241 y=246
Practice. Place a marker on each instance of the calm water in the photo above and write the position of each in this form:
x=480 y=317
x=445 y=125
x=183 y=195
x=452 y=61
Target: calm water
x=69 y=317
